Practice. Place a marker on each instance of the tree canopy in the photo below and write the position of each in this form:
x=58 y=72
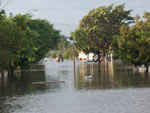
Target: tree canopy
x=133 y=43
x=24 y=40
x=96 y=29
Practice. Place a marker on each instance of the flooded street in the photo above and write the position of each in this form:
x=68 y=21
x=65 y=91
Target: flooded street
x=95 y=89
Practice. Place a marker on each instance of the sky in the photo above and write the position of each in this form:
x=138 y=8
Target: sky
x=66 y=14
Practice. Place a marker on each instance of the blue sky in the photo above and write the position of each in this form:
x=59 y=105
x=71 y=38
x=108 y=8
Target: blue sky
x=66 y=14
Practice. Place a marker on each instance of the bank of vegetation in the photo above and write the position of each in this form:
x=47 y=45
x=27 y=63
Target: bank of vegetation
x=112 y=29
x=64 y=49
x=24 y=41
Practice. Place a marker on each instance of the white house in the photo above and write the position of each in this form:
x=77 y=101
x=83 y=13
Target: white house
x=84 y=56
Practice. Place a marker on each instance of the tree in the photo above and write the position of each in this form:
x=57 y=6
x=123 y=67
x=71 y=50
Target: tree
x=48 y=37
x=64 y=49
x=2 y=15
x=40 y=37
x=95 y=31
x=133 y=43
x=25 y=41
x=81 y=41
x=26 y=55
x=12 y=38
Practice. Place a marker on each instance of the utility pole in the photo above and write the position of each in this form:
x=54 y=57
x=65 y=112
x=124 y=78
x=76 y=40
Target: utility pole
x=74 y=69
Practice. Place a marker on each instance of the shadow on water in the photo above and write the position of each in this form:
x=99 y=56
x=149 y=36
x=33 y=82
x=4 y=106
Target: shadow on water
x=22 y=82
x=112 y=76
x=21 y=85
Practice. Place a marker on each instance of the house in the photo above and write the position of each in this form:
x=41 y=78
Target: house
x=83 y=56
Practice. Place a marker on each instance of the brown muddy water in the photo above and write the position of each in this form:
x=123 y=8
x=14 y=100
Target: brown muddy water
x=94 y=89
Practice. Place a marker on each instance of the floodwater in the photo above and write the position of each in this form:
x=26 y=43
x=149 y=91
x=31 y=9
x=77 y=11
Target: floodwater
x=51 y=87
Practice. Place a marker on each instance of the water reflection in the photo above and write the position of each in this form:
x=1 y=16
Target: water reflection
x=19 y=95
x=22 y=83
x=112 y=76
x=21 y=86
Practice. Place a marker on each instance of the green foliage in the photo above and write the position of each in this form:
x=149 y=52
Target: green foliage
x=64 y=49
x=26 y=54
x=12 y=39
x=53 y=54
x=2 y=15
x=48 y=37
x=81 y=41
x=68 y=54
x=95 y=31
x=24 y=40
x=133 y=44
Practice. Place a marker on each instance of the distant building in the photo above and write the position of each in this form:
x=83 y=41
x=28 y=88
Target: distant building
x=83 y=56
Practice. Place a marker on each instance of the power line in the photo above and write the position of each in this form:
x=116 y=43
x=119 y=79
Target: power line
x=87 y=8
x=5 y=4
x=65 y=24
x=54 y=8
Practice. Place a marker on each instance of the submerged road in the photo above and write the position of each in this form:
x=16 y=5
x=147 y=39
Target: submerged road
x=114 y=89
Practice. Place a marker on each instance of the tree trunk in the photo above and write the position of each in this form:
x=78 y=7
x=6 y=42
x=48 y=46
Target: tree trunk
x=147 y=68
x=11 y=71
x=104 y=55
x=111 y=57
x=2 y=74
x=99 y=58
